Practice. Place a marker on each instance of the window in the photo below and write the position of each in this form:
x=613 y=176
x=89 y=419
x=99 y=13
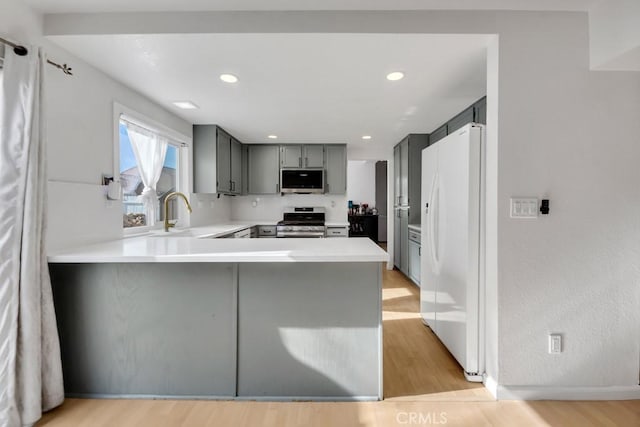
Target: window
x=138 y=211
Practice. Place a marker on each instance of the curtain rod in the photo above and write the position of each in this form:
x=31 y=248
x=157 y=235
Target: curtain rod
x=22 y=51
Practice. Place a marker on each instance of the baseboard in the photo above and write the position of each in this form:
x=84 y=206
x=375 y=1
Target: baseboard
x=491 y=385
x=562 y=393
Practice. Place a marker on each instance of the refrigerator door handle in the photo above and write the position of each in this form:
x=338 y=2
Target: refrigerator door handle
x=432 y=223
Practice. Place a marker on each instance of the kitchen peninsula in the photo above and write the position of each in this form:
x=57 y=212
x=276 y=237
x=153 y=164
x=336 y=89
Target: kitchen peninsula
x=187 y=317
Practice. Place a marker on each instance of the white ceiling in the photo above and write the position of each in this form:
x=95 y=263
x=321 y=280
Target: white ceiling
x=70 y=6
x=301 y=87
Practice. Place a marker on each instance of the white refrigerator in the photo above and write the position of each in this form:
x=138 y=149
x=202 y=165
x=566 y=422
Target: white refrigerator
x=452 y=204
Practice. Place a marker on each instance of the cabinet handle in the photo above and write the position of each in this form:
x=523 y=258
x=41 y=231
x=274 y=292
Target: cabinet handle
x=277 y=188
x=327 y=189
x=306 y=162
x=419 y=250
x=299 y=162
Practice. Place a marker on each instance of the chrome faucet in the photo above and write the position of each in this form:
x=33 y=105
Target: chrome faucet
x=167 y=224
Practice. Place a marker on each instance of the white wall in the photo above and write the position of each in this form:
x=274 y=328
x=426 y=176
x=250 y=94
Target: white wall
x=615 y=35
x=80 y=143
x=269 y=208
x=556 y=130
x=361 y=182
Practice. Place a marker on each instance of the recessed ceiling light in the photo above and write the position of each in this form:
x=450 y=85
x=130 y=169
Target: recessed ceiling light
x=396 y=75
x=273 y=137
x=228 y=78
x=366 y=137
x=185 y=105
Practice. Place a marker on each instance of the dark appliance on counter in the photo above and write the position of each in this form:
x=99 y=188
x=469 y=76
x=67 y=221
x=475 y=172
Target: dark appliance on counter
x=302 y=181
x=301 y=222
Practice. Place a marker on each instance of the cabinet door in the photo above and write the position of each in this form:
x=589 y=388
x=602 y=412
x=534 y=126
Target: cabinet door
x=404 y=172
x=414 y=262
x=204 y=159
x=223 y=162
x=291 y=156
x=460 y=120
x=336 y=173
x=438 y=134
x=404 y=241
x=397 y=256
x=313 y=156
x=396 y=175
x=236 y=166
x=264 y=169
x=480 y=111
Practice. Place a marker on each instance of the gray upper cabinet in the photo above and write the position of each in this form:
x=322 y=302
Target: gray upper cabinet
x=460 y=120
x=217 y=161
x=396 y=175
x=480 y=111
x=204 y=159
x=236 y=166
x=263 y=169
x=291 y=156
x=336 y=172
x=438 y=134
x=302 y=156
x=313 y=156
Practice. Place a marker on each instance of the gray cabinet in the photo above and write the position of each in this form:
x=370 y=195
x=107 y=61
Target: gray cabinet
x=223 y=161
x=204 y=159
x=407 y=184
x=291 y=156
x=313 y=156
x=480 y=111
x=302 y=156
x=460 y=120
x=217 y=161
x=415 y=253
x=263 y=169
x=336 y=170
x=438 y=134
x=236 y=166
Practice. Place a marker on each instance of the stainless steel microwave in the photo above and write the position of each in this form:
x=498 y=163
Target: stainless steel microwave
x=302 y=181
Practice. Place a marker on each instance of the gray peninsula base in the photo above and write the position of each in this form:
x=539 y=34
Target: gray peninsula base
x=268 y=331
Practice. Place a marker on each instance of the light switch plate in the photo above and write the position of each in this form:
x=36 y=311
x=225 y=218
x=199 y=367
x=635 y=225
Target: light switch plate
x=524 y=207
x=555 y=343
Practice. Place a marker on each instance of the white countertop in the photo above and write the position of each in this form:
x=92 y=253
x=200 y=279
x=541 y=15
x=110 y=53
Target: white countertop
x=198 y=245
x=415 y=227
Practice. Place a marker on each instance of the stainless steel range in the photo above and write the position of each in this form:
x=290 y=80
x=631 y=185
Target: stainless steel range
x=301 y=222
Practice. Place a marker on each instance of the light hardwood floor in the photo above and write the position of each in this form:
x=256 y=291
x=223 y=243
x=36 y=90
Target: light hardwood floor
x=423 y=385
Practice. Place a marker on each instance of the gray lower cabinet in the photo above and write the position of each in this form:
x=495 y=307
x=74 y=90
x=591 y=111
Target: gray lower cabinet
x=263 y=169
x=142 y=329
x=302 y=332
x=397 y=227
x=404 y=241
x=415 y=253
x=336 y=169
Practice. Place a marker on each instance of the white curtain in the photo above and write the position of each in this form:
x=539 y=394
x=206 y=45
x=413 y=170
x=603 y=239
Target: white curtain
x=30 y=366
x=150 y=150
